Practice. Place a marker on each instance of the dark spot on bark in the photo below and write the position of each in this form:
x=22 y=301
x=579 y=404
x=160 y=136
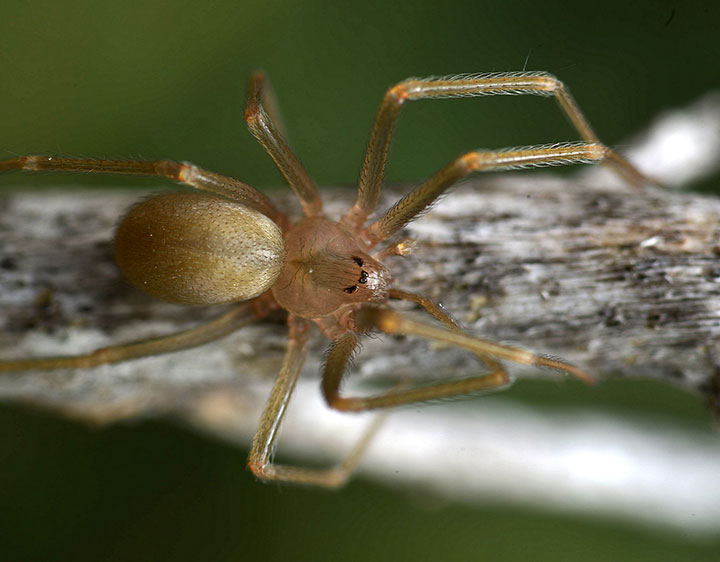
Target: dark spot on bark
x=8 y=263
x=613 y=316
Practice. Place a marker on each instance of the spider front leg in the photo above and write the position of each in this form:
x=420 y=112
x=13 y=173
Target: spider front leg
x=438 y=311
x=509 y=83
x=421 y=198
x=265 y=439
x=391 y=322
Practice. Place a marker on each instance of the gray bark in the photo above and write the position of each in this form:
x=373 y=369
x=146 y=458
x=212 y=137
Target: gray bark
x=621 y=282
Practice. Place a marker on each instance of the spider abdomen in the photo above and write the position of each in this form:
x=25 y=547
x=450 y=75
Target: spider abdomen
x=194 y=248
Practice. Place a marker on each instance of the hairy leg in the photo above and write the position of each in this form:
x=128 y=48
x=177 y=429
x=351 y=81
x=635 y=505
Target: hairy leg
x=508 y=83
x=185 y=173
x=421 y=198
x=391 y=322
x=269 y=136
x=265 y=439
x=227 y=323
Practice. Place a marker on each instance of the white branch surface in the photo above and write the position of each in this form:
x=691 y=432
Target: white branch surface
x=621 y=282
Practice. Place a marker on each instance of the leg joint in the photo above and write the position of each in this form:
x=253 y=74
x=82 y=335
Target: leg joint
x=397 y=95
x=260 y=470
x=547 y=84
x=253 y=115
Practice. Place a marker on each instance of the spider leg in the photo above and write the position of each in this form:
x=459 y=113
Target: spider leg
x=263 y=444
x=227 y=323
x=269 y=136
x=422 y=197
x=402 y=247
x=508 y=83
x=430 y=306
x=269 y=102
x=184 y=173
x=391 y=322
x=438 y=311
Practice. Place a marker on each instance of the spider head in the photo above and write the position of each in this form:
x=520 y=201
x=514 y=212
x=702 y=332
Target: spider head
x=340 y=278
x=368 y=280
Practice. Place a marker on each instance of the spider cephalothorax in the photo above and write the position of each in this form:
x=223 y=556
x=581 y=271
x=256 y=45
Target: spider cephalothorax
x=327 y=268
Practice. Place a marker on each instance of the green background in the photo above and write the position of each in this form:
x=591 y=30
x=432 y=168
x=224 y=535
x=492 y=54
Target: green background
x=161 y=79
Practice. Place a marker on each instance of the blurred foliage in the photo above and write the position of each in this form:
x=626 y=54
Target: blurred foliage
x=152 y=492
x=168 y=79
x=163 y=79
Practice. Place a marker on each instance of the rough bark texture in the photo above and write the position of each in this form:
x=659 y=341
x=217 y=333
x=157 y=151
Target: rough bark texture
x=621 y=282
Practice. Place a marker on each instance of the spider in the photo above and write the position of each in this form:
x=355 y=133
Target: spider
x=228 y=243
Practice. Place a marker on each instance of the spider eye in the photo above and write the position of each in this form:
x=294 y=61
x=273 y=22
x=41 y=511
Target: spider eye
x=358 y=261
x=363 y=277
x=351 y=290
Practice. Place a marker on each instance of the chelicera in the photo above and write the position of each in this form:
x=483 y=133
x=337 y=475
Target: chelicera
x=228 y=243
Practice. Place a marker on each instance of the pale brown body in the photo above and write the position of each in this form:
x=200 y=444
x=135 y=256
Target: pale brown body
x=230 y=244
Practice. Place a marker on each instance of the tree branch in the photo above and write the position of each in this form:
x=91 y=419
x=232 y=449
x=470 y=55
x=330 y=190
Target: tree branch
x=622 y=283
